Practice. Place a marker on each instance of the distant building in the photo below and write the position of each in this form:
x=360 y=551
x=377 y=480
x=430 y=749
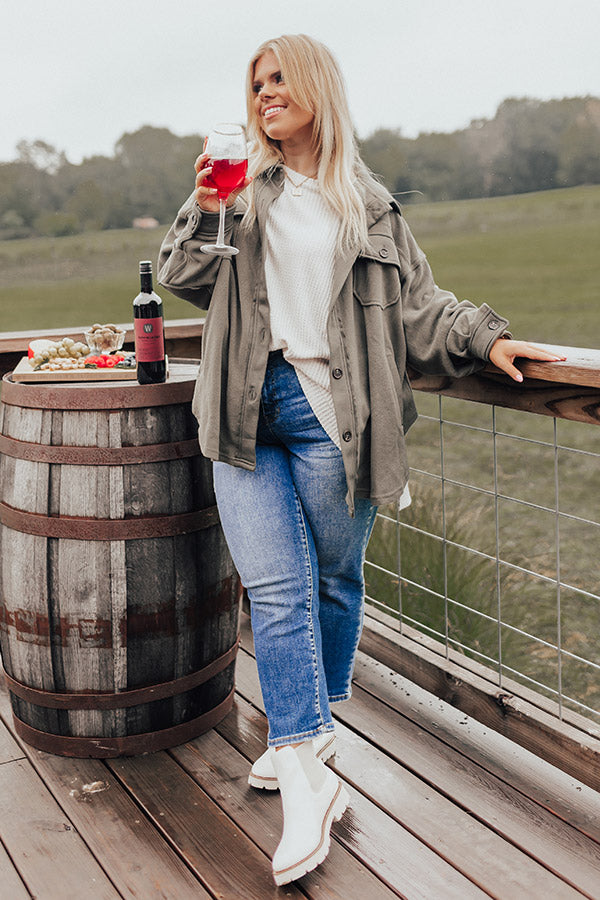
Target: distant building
x=145 y=222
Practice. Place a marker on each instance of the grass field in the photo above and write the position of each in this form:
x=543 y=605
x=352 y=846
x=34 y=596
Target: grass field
x=77 y=280
x=535 y=259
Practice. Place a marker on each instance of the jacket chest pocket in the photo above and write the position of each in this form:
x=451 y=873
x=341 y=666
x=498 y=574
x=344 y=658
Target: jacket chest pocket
x=376 y=275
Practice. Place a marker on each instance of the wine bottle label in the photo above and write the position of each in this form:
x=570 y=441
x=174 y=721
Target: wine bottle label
x=149 y=341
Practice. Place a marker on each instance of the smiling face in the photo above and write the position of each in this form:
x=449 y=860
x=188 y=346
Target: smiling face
x=280 y=117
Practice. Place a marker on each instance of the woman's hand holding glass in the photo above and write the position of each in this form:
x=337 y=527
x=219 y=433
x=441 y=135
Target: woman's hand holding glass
x=221 y=173
x=207 y=196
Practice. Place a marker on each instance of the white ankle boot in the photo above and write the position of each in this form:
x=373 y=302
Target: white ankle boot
x=313 y=798
x=262 y=774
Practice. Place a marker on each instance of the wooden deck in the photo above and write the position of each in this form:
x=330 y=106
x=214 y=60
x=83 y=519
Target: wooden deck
x=441 y=808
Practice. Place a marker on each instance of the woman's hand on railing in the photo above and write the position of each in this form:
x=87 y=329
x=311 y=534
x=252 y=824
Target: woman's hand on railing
x=504 y=352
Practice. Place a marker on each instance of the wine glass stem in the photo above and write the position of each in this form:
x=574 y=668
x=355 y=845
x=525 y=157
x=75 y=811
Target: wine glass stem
x=221 y=234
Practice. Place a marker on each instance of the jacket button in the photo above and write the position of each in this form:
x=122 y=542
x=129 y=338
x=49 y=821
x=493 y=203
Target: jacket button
x=347 y=436
x=337 y=373
x=384 y=252
x=493 y=324
x=252 y=393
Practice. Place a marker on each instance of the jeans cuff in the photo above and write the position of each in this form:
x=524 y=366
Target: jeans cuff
x=337 y=698
x=298 y=738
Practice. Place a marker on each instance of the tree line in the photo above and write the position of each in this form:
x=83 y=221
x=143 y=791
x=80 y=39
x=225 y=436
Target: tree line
x=529 y=145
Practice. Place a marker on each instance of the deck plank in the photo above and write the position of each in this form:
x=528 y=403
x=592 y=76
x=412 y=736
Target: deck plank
x=414 y=868
x=227 y=862
x=222 y=772
x=543 y=783
x=140 y=862
x=391 y=851
x=11 y=885
x=385 y=782
x=131 y=849
x=539 y=784
x=9 y=749
x=547 y=786
x=467 y=844
x=46 y=850
x=484 y=856
x=530 y=826
x=539 y=850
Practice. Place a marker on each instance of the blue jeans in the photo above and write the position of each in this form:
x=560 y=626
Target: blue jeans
x=300 y=556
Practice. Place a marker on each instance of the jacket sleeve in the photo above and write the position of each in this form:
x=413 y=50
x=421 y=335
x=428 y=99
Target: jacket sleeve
x=182 y=267
x=443 y=335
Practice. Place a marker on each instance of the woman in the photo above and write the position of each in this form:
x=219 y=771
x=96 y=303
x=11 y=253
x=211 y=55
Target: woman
x=303 y=400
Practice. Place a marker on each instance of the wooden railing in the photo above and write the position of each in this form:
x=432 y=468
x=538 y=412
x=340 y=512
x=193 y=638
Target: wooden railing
x=566 y=390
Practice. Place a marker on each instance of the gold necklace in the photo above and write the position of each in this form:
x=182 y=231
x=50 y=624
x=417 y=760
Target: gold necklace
x=297 y=188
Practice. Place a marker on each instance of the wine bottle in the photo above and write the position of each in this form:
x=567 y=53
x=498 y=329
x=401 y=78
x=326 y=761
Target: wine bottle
x=149 y=332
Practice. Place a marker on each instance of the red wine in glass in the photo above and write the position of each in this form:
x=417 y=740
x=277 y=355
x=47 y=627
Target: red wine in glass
x=227 y=175
x=228 y=158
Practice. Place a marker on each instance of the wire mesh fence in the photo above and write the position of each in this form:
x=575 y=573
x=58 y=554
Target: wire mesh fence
x=498 y=555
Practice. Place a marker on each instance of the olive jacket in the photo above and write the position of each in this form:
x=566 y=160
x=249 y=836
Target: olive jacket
x=386 y=313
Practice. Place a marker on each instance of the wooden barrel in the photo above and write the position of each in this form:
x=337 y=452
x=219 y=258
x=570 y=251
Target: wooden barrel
x=119 y=601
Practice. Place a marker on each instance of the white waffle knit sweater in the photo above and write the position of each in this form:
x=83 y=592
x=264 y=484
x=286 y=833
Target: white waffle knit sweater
x=301 y=235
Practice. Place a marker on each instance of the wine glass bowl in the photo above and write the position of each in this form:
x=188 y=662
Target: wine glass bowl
x=228 y=158
x=226 y=175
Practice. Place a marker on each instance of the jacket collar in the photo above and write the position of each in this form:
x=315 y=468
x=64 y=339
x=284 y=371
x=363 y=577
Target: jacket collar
x=378 y=200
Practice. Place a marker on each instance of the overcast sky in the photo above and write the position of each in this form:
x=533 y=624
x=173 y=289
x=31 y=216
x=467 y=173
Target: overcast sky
x=79 y=73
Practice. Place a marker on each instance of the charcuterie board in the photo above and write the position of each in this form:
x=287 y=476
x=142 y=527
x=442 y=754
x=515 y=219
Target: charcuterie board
x=24 y=372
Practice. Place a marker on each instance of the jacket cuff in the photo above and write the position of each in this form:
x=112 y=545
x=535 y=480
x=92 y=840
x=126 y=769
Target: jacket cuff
x=201 y=223
x=491 y=327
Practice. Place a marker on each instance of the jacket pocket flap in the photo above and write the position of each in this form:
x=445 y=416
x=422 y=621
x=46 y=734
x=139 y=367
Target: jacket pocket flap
x=382 y=249
x=377 y=273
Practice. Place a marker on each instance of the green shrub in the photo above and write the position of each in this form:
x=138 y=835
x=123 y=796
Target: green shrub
x=57 y=224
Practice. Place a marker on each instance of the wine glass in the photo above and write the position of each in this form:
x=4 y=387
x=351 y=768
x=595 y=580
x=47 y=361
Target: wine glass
x=228 y=156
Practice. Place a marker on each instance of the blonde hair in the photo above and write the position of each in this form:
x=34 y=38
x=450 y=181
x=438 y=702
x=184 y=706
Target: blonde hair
x=315 y=82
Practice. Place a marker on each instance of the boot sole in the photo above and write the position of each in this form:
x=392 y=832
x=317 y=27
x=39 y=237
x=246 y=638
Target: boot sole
x=335 y=812
x=265 y=783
